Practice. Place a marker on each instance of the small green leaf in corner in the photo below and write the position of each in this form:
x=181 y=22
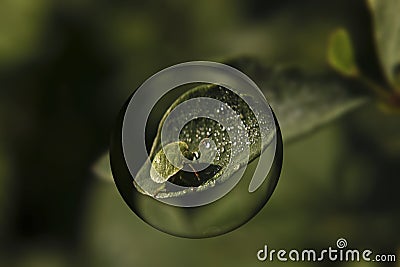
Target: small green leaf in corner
x=341 y=54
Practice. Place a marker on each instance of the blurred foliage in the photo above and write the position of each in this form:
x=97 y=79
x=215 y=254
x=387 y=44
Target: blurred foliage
x=387 y=35
x=66 y=67
x=303 y=101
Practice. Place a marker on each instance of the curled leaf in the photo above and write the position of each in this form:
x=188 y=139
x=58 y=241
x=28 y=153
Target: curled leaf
x=211 y=142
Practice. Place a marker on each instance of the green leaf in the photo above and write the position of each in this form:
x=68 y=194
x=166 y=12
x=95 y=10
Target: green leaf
x=301 y=103
x=386 y=21
x=201 y=133
x=340 y=53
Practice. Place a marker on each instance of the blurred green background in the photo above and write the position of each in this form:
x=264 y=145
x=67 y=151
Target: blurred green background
x=66 y=67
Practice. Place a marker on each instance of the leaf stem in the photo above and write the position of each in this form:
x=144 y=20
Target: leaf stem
x=375 y=88
x=390 y=100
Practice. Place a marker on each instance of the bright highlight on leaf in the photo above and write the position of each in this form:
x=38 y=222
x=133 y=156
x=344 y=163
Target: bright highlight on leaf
x=340 y=53
x=162 y=169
